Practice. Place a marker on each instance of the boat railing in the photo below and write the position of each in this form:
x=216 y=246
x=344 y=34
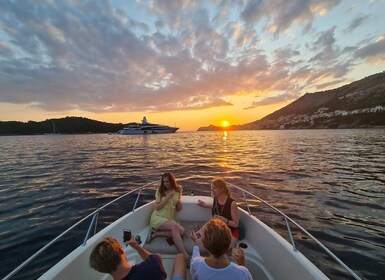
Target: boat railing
x=93 y=223
x=287 y=219
x=95 y=215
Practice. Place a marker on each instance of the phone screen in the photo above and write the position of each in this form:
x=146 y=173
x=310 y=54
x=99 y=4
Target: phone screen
x=126 y=235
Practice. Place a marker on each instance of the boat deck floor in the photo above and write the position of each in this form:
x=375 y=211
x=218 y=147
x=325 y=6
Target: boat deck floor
x=168 y=252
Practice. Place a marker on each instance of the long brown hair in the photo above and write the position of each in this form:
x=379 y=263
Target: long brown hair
x=222 y=186
x=171 y=178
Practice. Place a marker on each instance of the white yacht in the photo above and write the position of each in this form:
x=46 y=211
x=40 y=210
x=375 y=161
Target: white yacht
x=147 y=128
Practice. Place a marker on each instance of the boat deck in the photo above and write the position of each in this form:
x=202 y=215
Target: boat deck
x=268 y=255
x=168 y=252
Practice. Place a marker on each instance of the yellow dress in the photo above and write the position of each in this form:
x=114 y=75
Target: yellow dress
x=167 y=212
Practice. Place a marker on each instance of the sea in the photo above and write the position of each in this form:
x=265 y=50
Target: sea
x=332 y=182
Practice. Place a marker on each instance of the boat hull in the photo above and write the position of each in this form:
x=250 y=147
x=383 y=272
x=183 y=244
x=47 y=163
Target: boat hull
x=147 y=128
x=147 y=131
x=268 y=255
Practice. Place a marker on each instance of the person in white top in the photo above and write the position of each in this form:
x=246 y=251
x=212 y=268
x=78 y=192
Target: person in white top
x=216 y=238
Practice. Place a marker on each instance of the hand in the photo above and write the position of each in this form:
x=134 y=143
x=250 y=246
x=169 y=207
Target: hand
x=239 y=256
x=201 y=203
x=170 y=195
x=178 y=206
x=193 y=237
x=132 y=242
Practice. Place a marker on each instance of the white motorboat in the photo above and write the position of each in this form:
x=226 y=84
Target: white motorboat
x=146 y=128
x=268 y=255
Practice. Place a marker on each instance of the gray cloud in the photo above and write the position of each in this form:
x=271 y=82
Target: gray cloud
x=329 y=84
x=325 y=46
x=283 y=13
x=358 y=21
x=271 y=100
x=372 y=50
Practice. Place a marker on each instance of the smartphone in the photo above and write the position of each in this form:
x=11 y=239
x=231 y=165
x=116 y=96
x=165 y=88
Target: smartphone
x=195 y=229
x=126 y=235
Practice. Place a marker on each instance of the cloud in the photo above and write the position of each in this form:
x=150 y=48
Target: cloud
x=102 y=56
x=329 y=84
x=325 y=46
x=283 y=14
x=88 y=58
x=5 y=49
x=372 y=51
x=358 y=21
x=201 y=102
x=272 y=100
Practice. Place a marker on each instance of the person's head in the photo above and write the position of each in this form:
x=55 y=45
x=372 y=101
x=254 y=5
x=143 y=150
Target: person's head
x=216 y=237
x=167 y=182
x=106 y=256
x=219 y=186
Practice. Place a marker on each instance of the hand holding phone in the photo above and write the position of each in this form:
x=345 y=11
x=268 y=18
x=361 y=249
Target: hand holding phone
x=127 y=235
x=195 y=232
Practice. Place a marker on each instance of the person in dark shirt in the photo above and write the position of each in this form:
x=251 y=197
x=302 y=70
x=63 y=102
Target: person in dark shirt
x=109 y=257
x=224 y=207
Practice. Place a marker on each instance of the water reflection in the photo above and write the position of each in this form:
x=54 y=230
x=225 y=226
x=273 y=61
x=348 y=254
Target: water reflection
x=224 y=135
x=318 y=176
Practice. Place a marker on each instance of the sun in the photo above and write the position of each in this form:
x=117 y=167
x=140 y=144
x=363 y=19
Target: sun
x=225 y=123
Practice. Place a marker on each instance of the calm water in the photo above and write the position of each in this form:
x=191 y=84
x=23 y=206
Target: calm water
x=331 y=181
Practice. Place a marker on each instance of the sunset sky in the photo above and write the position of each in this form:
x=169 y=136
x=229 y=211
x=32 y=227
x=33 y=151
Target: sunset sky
x=185 y=63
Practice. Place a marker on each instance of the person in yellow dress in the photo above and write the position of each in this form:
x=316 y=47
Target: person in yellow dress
x=163 y=219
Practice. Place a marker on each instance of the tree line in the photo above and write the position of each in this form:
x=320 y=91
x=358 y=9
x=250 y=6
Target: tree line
x=68 y=125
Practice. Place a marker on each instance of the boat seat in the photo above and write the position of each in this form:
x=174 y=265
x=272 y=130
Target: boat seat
x=161 y=246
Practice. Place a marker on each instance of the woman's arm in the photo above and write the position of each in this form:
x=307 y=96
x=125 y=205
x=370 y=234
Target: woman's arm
x=162 y=203
x=203 y=204
x=234 y=215
x=195 y=255
x=143 y=253
x=177 y=203
x=239 y=256
x=196 y=252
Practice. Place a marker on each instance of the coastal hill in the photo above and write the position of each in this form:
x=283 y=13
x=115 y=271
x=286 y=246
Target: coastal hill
x=360 y=104
x=68 y=125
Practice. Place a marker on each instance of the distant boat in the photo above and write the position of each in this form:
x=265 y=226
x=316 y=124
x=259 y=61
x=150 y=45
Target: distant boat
x=147 y=128
x=55 y=130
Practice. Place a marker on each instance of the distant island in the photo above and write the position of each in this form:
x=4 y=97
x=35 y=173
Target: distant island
x=67 y=125
x=360 y=104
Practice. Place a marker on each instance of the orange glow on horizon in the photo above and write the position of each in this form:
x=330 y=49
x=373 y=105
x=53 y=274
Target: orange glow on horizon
x=189 y=120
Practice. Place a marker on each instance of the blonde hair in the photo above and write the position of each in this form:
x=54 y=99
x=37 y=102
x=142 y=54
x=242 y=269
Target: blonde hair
x=222 y=186
x=216 y=237
x=106 y=255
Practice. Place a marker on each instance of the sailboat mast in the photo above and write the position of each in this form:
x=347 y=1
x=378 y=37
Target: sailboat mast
x=55 y=130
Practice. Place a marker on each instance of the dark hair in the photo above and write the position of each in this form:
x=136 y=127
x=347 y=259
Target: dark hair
x=171 y=178
x=106 y=255
x=216 y=237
